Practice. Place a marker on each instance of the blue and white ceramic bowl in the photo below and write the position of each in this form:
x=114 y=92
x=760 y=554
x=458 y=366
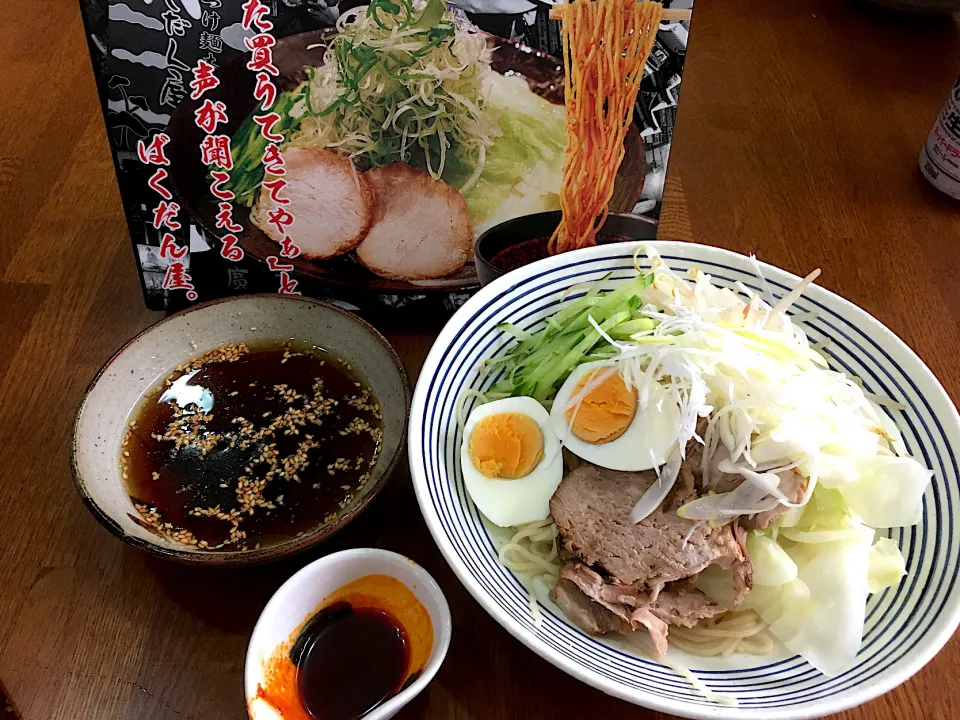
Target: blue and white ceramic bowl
x=905 y=626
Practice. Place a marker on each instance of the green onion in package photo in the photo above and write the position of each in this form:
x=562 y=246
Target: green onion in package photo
x=345 y=151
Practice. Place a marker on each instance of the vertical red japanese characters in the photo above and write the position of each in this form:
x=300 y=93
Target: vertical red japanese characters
x=265 y=92
x=215 y=153
x=165 y=216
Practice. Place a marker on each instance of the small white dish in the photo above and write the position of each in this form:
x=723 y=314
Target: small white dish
x=300 y=597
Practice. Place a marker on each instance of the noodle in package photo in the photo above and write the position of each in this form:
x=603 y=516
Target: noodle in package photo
x=357 y=151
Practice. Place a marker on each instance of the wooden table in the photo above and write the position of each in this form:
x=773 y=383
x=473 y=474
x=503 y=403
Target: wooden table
x=798 y=138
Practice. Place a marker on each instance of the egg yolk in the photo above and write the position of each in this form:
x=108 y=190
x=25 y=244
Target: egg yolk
x=507 y=446
x=605 y=412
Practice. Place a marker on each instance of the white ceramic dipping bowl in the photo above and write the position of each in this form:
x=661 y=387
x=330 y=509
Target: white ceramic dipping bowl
x=304 y=593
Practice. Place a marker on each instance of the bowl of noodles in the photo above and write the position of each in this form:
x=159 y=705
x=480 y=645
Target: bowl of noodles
x=765 y=531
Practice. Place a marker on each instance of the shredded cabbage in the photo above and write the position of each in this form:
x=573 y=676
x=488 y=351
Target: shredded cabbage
x=523 y=167
x=887 y=566
x=771 y=563
x=885 y=491
x=823 y=622
x=812 y=591
x=811 y=582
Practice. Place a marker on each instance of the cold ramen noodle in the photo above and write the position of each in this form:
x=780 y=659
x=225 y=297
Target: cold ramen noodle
x=718 y=486
x=245 y=447
x=605 y=46
x=402 y=145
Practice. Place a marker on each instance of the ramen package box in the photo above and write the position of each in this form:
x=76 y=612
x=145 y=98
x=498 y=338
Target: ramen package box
x=345 y=151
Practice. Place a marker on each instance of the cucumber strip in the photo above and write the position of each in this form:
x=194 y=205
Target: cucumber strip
x=625 y=330
x=558 y=371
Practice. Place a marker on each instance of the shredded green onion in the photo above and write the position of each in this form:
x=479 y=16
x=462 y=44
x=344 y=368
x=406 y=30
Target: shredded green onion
x=398 y=84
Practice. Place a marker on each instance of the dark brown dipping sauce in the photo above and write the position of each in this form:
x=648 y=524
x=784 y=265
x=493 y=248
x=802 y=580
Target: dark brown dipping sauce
x=349 y=660
x=528 y=251
x=259 y=445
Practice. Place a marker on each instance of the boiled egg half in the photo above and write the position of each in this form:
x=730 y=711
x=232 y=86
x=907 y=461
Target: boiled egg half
x=511 y=460
x=599 y=419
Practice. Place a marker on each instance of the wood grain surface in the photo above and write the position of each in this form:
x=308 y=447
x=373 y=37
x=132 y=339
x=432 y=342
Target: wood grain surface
x=799 y=129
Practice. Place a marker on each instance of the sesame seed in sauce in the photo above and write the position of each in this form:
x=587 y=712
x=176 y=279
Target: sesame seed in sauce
x=298 y=427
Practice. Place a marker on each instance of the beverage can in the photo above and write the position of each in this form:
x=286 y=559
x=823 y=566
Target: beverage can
x=940 y=156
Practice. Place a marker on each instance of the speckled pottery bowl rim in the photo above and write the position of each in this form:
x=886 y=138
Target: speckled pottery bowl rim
x=236 y=558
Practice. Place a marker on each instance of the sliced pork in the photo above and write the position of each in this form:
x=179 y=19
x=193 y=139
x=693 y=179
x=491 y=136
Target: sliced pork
x=792 y=483
x=794 y=486
x=422 y=227
x=608 y=591
x=599 y=618
x=600 y=607
x=742 y=572
x=333 y=204
x=590 y=616
x=592 y=511
x=680 y=603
